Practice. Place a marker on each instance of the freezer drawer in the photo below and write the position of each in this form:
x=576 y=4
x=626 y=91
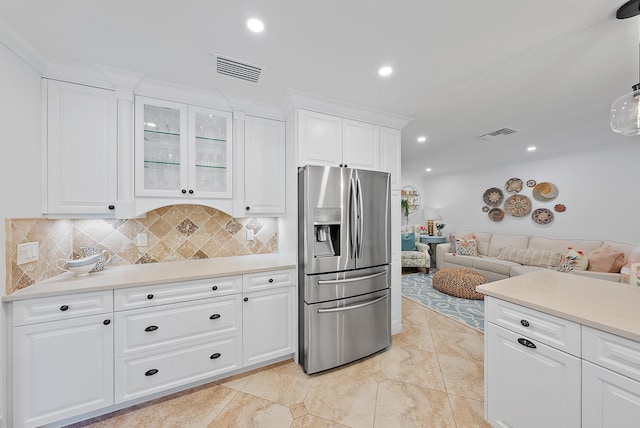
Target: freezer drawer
x=342 y=331
x=340 y=285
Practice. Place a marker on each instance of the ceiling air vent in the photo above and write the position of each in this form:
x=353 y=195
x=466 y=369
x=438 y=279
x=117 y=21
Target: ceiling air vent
x=236 y=68
x=492 y=135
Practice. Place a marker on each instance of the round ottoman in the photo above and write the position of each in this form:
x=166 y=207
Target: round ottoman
x=459 y=283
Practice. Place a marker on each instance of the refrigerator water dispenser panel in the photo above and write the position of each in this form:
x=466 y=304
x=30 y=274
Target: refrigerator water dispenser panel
x=326 y=227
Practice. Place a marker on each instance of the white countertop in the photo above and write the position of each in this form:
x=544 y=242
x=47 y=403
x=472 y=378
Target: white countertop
x=605 y=305
x=153 y=273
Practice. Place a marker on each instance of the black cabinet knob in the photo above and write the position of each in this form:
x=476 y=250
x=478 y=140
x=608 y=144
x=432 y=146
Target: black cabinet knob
x=149 y=296
x=341 y=165
x=247 y=208
x=184 y=190
x=106 y=322
x=64 y=308
x=112 y=207
x=191 y=191
x=216 y=355
x=246 y=299
x=524 y=323
x=270 y=280
x=214 y=288
x=214 y=317
x=151 y=328
x=345 y=165
x=151 y=372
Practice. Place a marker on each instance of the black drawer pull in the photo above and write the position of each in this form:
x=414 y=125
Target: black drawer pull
x=151 y=328
x=214 y=317
x=524 y=323
x=64 y=308
x=149 y=296
x=527 y=343
x=214 y=288
x=270 y=280
x=151 y=372
x=216 y=355
x=112 y=207
x=246 y=299
x=106 y=322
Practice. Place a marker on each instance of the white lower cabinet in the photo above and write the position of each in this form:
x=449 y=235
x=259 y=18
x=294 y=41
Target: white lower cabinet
x=267 y=325
x=61 y=369
x=530 y=384
x=89 y=352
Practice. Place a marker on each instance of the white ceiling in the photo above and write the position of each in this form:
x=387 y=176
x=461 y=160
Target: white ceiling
x=547 y=68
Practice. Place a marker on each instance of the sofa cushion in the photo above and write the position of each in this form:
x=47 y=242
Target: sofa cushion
x=482 y=239
x=494 y=265
x=531 y=257
x=606 y=259
x=459 y=260
x=466 y=247
x=498 y=242
x=453 y=236
x=408 y=242
x=561 y=245
x=577 y=259
x=621 y=247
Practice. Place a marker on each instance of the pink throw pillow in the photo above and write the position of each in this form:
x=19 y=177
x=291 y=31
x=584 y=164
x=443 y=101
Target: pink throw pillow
x=452 y=240
x=604 y=259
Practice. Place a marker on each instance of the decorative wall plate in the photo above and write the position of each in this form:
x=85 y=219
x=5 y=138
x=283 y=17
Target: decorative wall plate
x=542 y=216
x=496 y=214
x=485 y=209
x=517 y=205
x=493 y=197
x=545 y=191
x=514 y=185
x=531 y=183
x=560 y=208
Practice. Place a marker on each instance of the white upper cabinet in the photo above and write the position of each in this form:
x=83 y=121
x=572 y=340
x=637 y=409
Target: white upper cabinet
x=360 y=145
x=264 y=166
x=182 y=151
x=319 y=139
x=390 y=146
x=80 y=149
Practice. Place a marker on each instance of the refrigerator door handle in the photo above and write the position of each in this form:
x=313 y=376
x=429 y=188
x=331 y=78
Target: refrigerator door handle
x=352 y=219
x=348 y=308
x=360 y=217
x=359 y=278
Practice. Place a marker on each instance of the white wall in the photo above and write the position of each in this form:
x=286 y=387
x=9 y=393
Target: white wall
x=599 y=188
x=20 y=152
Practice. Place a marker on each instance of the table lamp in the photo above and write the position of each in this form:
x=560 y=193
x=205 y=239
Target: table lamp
x=432 y=216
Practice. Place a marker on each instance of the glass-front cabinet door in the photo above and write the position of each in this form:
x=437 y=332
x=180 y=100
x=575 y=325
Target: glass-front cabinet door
x=210 y=152
x=182 y=151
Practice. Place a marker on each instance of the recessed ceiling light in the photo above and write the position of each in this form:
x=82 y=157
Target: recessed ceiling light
x=428 y=169
x=531 y=149
x=422 y=139
x=385 y=71
x=255 y=25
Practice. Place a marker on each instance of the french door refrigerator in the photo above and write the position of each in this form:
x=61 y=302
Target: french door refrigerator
x=343 y=265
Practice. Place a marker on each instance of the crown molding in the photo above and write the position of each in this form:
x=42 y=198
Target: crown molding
x=307 y=101
x=121 y=79
x=184 y=94
x=75 y=72
x=19 y=44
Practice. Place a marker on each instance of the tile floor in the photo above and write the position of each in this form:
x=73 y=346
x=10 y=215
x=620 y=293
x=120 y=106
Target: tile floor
x=432 y=376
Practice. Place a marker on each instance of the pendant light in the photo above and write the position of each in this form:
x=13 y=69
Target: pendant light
x=625 y=111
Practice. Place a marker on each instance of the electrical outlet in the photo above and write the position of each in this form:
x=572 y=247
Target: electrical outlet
x=28 y=252
x=141 y=240
x=250 y=235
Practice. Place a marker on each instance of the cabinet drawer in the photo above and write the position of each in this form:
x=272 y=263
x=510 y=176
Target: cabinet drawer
x=271 y=279
x=161 y=294
x=139 y=376
x=156 y=328
x=61 y=307
x=617 y=353
x=548 y=329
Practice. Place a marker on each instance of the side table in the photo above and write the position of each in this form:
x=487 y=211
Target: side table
x=432 y=241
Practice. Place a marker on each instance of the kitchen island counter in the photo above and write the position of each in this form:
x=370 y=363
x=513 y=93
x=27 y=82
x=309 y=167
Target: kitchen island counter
x=116 y=277
x=604 y=305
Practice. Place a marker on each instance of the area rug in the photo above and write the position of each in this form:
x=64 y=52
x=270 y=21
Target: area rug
x=417 y=287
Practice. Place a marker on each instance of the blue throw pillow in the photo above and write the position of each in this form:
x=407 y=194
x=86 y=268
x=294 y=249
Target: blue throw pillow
x=409 y=242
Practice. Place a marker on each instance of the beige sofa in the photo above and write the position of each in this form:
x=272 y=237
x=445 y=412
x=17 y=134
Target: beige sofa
x=490 y=244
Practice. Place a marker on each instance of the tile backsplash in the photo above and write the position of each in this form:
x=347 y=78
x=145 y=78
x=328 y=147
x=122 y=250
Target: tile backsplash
x=178 y=232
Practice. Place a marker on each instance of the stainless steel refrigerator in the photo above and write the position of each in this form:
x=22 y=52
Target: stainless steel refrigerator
x=343 y=265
